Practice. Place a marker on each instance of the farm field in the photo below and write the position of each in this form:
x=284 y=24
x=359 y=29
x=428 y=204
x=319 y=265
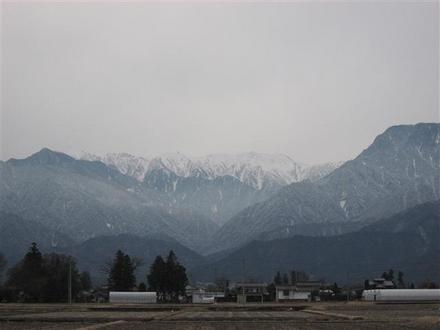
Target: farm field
x=340 y=315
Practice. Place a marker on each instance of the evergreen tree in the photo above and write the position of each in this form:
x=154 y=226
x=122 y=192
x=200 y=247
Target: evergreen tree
x=129 y=269
x=168 y=278
x=85 y=280
x=121 y=276
x=29 y=275
x=391 y=275
x=156 y=277
x=142 y=287
x=293 y=277
x=176 y=279
x=400 y=281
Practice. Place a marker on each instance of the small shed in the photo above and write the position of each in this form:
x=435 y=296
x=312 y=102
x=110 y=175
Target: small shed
x=132 y=297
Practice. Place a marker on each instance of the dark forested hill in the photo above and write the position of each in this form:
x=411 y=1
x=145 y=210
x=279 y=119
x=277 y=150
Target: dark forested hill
x=16 y=235
x=408 y=241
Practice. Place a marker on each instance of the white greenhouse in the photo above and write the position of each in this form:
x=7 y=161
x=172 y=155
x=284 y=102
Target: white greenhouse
x=401 y=295
x=132 y=297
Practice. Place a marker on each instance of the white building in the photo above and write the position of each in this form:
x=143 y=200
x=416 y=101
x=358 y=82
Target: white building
x=132 y=297
x=401 y=295
x=206 y=297
x=299 y=291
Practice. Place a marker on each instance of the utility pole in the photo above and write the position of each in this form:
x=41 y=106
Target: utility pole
x=243 y=270
x=70 y=282
x=242 y=286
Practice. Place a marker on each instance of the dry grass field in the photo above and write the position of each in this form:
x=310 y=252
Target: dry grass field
x=341 y=315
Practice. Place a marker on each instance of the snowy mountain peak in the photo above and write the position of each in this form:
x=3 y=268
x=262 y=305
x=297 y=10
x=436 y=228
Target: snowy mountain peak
x=125 y=163
x=254 y=169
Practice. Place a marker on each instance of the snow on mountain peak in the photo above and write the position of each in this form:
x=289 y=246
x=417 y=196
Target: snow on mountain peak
x=126 y=163
x=255 y=169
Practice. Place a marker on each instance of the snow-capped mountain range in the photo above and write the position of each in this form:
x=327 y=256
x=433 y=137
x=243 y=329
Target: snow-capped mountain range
x=257 y=170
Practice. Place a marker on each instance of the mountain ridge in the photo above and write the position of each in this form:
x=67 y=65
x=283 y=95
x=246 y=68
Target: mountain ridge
x=407 y=241
x=257 y=170
x=84 y=199
x=400 y=169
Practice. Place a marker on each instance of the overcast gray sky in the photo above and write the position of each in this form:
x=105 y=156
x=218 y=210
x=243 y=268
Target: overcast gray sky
x=316 y=81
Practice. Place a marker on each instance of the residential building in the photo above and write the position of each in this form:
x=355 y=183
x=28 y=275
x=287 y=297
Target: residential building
x=298 y=291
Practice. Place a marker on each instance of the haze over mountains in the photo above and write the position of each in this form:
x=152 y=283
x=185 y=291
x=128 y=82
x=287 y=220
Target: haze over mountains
x=244 y=206
x=85 y=199
x=217 y=186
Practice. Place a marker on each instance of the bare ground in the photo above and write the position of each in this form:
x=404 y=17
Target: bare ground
x=340 y=315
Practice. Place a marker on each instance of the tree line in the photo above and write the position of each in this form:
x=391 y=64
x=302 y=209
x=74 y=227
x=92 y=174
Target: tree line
x=53 y=277
x=166 y=277
x=44 y=278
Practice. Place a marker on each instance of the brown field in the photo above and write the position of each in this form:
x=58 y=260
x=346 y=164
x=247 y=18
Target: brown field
x=340 y=315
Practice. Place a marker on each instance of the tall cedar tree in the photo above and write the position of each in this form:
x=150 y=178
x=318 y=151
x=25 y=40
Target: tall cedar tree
x=121 y=277
x=168 y=278
x=29 y=275
x=177 y=279
x=156 y=278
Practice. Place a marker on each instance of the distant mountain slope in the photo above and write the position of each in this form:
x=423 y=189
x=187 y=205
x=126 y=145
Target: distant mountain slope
x=399 y=170
x=217 y=186
x=84 y=199
x=408 y=241
x=92 y=254
x=256 y=170
x=16 y=235
x=218 y=199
